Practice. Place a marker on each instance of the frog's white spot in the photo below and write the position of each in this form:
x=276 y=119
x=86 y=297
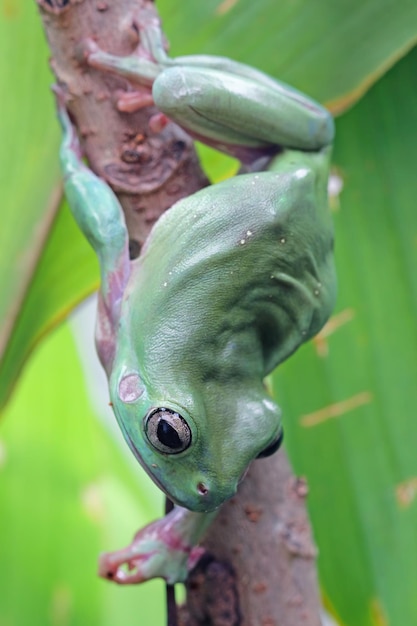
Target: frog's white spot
x=282 y=240
x=301 y=173
x=269 y=405
x=242 y=241
x=316 y=292
x=169 y=273
x=249 y=233
x=184 y=91
x=334 y=189
x=165 y=284
x=3 y=454
x=130 y=388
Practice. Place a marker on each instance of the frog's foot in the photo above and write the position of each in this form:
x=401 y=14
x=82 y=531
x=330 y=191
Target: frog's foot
x=139 y=67
x=135 y=100
x=160 y=550
x=131 y=101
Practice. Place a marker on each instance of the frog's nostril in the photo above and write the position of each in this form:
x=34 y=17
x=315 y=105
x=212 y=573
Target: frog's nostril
x=202 y=489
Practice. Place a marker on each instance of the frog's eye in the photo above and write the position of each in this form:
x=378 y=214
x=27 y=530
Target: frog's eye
x=167 y=431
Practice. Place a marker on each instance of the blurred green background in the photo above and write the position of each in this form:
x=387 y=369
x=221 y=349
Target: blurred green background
x=68 y=487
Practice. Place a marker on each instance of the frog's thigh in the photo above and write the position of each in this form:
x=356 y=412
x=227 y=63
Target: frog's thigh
x=223 y=106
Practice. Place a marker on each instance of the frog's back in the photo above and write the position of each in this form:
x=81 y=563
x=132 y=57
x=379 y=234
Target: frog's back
x=249 y=256
x=293 y=194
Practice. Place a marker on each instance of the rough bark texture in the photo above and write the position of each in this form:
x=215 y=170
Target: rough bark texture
x=260 y=565
x=148 y=170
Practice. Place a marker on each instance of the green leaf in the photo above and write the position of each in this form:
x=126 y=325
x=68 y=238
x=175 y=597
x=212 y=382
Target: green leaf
x=332 y=50
x=349 y=397
x=66 y=272
x=29 y=174
x=67 y=494
x=46 y=266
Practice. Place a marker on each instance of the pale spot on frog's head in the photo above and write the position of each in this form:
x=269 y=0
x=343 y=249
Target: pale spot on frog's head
x=130 y=388
x=302 y=172
x=270 y=406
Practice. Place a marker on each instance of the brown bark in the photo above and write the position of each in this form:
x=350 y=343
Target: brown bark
x=260 y=566
x=148 y=170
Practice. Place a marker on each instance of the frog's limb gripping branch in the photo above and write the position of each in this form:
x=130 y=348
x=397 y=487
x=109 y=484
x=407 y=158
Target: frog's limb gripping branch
x=100 y=217
x=162 y=549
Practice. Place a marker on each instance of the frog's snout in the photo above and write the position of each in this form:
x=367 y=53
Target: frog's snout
x=202 y=489
x=208 y=497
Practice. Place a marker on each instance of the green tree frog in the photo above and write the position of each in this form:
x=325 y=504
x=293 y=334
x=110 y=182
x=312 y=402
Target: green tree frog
x=229 y=283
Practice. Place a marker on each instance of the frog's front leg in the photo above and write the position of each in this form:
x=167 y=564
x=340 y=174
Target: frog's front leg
x=100 y=217
x=166 y=549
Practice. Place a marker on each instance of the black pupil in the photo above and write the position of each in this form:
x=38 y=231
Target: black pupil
x=167 y=435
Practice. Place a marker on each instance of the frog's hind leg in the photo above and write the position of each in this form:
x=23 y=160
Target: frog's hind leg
x=100 y=217
x=232 y=107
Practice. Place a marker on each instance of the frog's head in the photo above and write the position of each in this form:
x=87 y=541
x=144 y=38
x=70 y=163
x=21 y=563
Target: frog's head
x=196 y=449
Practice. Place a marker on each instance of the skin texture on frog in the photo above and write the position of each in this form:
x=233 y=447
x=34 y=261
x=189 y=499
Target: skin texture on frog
x=229 y=283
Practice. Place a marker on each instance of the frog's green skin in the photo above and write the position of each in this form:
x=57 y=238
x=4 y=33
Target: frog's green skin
x=230 y=282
